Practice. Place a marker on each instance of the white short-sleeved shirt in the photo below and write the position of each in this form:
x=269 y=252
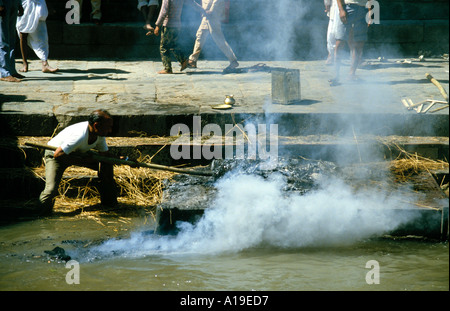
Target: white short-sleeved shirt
x=75 y=138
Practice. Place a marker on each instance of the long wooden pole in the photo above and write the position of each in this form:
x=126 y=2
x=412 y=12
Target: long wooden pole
x=110 y=160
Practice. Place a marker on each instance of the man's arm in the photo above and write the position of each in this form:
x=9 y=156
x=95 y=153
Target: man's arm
x=342 y=12
x=161 y=17
x=162 y=13
x=58 y=152
x=327 y=4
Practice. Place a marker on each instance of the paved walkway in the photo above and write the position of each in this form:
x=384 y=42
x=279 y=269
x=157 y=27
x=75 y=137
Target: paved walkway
x=133 y=88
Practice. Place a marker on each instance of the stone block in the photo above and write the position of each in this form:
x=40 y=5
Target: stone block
x=286 y=86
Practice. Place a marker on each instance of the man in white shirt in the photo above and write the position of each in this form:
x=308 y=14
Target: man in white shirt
x=80 y=137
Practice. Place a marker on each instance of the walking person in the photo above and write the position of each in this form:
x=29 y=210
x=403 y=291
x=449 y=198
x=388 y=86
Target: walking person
x=211 y=24
x=169 y=22
x=9 y=10
x=352 y=14
x=32 y=29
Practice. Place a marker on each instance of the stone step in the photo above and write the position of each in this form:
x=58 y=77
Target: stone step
x=289 y=124
x=341 y=149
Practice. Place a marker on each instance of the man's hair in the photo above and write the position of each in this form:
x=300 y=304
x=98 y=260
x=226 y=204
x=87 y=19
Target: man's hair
x=98 y=115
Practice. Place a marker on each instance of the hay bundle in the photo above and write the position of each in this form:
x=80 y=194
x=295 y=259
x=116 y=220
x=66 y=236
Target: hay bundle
x=407 y=165
x=138 y=187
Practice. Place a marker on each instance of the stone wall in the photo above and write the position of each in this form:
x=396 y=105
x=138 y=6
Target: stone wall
x=257 y=30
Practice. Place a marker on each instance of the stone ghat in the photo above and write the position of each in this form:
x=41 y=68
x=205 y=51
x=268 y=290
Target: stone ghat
x=187 y=198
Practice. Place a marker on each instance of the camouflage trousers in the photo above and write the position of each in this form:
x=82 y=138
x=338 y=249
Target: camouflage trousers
x=169 y=46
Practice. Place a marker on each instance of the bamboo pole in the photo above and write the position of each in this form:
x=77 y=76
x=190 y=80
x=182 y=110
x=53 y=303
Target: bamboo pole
x=111 y=160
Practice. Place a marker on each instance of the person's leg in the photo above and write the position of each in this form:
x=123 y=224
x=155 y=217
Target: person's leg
x=341 y=35
x=164 y=48
x=176 y=49
x=356 y=55
x=357 y=37
x=96 y=13
x=144 y=8
x=338 y=51
x=41 y=47
x=8 y=42
x=108 y=186
x=152 y=11
x=215 y=28
x=200 y=39
x=23 y=50
x=331 y=42
x=54 y=170
x=105 y=171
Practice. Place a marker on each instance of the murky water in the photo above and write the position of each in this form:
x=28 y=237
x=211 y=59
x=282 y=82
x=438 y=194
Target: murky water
x=403 y=264
x=253 y=236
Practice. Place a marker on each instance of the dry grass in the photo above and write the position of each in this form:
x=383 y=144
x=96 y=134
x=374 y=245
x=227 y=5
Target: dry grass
x=408 y=164
x=139 y=188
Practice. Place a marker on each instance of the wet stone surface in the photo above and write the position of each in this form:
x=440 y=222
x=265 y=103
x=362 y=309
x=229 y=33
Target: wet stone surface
x=198 y=192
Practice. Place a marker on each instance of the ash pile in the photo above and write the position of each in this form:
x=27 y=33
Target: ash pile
x=198 y=192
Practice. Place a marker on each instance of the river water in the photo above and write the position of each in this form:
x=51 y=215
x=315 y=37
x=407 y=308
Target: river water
x=404 y=264
x=254 y=237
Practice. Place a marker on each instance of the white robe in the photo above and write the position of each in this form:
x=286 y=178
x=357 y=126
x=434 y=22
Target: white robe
x=33 y=23
x=334 y=26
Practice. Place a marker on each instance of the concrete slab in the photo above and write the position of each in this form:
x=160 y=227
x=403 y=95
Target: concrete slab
x=134 y=89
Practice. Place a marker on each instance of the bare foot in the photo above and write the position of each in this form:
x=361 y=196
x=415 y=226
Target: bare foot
x=334 y=82
x=165 y=72
x=150 y=30
x=24 y=68
x=148 y=27
x=10 y=79
x=48 y=69
x=354 y=78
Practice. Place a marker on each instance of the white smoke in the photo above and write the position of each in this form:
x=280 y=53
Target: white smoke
x=250 y=211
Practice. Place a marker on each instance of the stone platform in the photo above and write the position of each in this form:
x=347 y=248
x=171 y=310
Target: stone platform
x=147 y=103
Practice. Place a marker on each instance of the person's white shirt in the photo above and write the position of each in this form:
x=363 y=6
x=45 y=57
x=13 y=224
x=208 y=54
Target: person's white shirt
x=75 y=138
